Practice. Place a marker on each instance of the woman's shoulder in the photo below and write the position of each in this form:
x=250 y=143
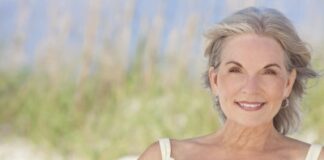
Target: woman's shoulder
x=152 y=152
x=302 y=149
x=321 y=157
x=192 y=148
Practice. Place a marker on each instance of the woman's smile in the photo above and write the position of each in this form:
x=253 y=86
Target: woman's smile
x=249 y=106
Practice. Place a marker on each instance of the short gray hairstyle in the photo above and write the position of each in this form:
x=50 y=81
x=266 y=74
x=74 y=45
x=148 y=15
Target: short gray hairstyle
x=272 y=23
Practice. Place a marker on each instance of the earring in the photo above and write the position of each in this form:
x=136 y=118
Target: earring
x=285 y=103
x=217 y=101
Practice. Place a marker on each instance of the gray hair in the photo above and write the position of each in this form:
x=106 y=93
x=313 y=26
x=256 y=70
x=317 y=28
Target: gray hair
x=271 y=23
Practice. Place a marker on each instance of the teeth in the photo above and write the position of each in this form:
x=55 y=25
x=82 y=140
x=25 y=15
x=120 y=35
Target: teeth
x=249 y=105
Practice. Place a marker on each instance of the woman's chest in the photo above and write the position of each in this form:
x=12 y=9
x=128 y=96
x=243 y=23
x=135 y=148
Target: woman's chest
x=236 y=157
x=219 y=155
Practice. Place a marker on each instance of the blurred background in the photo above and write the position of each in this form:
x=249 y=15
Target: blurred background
x=103 y=79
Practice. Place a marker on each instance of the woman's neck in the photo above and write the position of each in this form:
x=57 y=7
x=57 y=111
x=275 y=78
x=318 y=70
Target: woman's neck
x=238 y=137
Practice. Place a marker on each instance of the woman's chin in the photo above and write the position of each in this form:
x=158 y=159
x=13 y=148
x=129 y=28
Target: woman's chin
x=250 y=123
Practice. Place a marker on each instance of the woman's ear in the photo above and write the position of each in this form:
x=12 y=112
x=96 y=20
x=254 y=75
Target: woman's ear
x=290 y=83
x=212 y=75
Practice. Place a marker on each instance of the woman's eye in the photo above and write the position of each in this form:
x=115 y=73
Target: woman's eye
x=270 y=72
x=234 y=70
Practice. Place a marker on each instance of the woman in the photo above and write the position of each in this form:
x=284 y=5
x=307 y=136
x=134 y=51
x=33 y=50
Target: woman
x=257 y=70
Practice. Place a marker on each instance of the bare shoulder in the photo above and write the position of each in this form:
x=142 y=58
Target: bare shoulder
x=178 y=147
x=321 y=157
x=152 y=152
x=192 y=148
x=302 y=148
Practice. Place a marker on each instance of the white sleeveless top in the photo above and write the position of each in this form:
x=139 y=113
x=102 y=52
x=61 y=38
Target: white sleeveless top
x=165 y=146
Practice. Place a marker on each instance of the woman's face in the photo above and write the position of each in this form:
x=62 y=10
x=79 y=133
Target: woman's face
x=251 y=80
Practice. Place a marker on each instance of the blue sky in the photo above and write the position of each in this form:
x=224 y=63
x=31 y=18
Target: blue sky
x=308 y=16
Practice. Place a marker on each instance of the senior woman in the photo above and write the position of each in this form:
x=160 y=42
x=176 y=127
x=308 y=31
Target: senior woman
x=257 y=70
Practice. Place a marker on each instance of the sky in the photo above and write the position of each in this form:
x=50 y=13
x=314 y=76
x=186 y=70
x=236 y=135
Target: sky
x=307 y=16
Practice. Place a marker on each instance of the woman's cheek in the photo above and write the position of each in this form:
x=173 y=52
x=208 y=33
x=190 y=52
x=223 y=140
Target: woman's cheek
x=273 y=85
x=230 y=83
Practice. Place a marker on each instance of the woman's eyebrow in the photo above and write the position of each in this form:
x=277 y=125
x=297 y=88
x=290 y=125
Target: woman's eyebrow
x=266 y=66
x=233 y=62
x=271 y=65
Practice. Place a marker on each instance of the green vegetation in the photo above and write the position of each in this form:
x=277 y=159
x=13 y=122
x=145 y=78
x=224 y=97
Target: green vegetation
x=108 y=118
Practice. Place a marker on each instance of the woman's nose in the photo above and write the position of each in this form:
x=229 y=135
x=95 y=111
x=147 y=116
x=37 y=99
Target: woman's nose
x=251 y=85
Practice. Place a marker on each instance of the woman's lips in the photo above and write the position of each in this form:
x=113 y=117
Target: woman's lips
x=250 y=106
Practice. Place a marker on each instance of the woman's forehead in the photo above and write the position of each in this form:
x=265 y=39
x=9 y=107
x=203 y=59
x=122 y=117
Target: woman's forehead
x=252 y=48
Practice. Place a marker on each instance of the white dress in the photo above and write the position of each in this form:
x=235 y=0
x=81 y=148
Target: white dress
x=165 y=146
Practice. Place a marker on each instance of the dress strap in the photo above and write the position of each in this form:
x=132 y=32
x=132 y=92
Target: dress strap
x=314 y=152
x=165 y=146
